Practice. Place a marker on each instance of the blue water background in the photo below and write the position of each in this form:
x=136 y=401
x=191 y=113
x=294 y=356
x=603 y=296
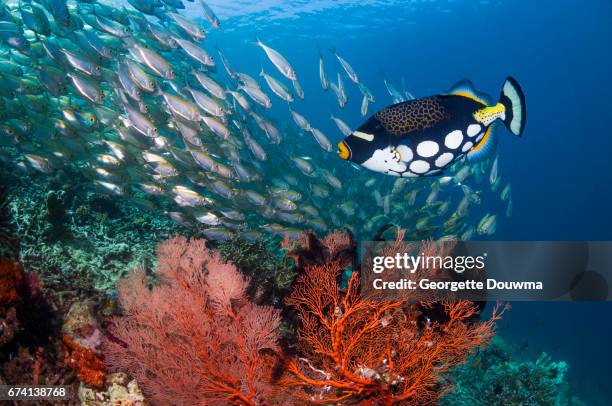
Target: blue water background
x=560 y=52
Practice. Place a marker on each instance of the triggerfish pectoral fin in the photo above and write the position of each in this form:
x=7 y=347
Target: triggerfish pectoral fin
x=486 y=147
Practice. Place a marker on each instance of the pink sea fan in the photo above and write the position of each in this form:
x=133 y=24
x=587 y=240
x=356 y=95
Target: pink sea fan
x=194 y=338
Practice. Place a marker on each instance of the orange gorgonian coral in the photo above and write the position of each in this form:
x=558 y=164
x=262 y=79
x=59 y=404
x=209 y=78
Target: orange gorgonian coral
x=354 y=350
x=195 y=338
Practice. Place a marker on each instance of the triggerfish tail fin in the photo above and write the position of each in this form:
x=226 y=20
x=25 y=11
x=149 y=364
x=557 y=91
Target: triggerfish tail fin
x=486 y=146
x=465 y=88
x=513 y=99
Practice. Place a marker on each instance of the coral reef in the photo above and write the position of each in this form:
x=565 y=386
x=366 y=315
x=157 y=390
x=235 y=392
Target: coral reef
x=353 y=350
x=118 y=391
x=308 y=249
x=55 y=203
x=82 y=336
x=11 y=283
x=77 y=239
x=492 y=378
x=11 y=276
x=87 y=366
x=9 y=244
x=270 y=272
x=194 y=338
x=32 y=352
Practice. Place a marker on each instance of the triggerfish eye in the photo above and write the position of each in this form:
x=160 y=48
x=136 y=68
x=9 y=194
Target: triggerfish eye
x=343 y=150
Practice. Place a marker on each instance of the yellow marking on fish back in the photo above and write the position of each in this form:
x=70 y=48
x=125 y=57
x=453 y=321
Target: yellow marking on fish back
x=471 y=96
x=489 y=114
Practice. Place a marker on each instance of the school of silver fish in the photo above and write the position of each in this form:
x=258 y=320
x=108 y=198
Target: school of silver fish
x=134 y=98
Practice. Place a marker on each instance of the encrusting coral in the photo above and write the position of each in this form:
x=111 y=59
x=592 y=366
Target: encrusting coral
x=118 y=391
x=11 y=278
x=82 y=337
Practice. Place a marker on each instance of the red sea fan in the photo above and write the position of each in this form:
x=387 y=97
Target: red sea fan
x=194 y=338
x=353 y=350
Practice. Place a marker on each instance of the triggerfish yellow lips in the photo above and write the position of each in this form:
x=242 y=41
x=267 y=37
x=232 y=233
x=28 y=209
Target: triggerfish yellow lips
x=343 y=150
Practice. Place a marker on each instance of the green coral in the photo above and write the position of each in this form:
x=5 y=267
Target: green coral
x=78 y=237
x=270 y=270
x=9 y=245
x=492 y=378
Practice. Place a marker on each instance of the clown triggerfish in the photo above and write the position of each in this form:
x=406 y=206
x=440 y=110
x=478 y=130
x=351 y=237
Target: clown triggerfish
x=423 y=137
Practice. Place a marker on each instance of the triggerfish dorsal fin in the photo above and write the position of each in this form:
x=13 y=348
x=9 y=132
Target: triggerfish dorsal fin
x=465 y=88
x=486 y=146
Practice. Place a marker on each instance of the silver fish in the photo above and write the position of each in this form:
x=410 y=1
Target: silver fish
x=342 y=126
x=298 y=89
x=207 y=218
x=210 y=85
x=195 y=52
x=487 y=225
x=257 y=95
x=493 y=173
x=218 y=233
x=339 y=96
x=153 y=61
x=364 y=106
x=194 y=30
x=322 y=76
x=278 y=60
x=242 y=101
x=394 y=93
x=210 y=15
x=300 y=121
x=206 y=103
x=180 y=107
x=217 y=127
x=347 y=68
x=139 y=122
x=366 y=92
x=116 y=189
x=39 y=163
x=277 y=87
x=87 y=88
x=255 y=198
x=82 y=64
x=321 y=139
x=139 y=76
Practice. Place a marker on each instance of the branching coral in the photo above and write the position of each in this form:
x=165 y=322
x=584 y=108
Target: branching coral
x=353 y=349
x=194 y=338
x=9 y=244
x=493 y=377
x=270 y=272
x=75 y=238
